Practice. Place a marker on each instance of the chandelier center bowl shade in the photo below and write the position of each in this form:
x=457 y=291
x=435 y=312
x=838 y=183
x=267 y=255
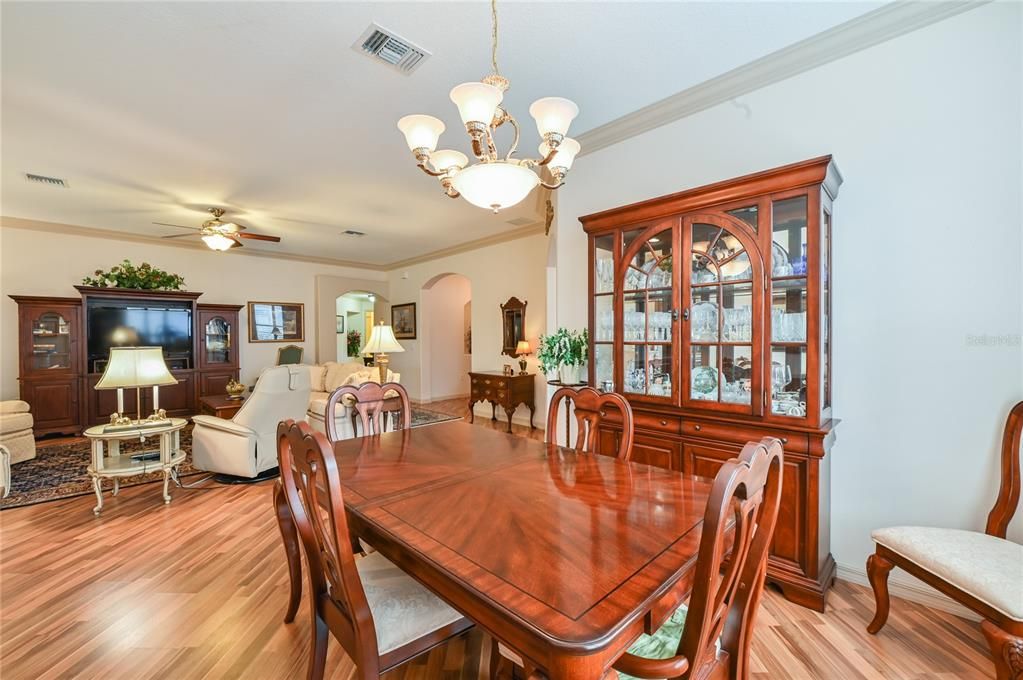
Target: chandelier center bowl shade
x=495 y=185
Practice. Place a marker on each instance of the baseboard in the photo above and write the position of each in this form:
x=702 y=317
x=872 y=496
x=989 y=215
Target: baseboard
x=908 y=588
x=424 y=402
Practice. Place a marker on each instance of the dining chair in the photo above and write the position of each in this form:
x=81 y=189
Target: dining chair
x=371 y=404
x=981 y=571
x=381 y=616
x=710 y=639
x=589 y=407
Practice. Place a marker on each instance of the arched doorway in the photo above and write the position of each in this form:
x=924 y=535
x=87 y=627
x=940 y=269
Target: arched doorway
x=356 y=311
x=446 y=331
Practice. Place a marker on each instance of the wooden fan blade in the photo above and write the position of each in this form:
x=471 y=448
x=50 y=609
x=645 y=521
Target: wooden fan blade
x=237 y=243
x=259 y=237
x=179 y=235
x=179 y=226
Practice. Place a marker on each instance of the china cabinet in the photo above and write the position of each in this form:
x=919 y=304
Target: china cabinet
x=50 y=331
x=218 y=347
x=710 y=311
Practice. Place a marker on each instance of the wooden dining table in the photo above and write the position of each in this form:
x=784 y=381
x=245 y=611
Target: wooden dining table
x=565 y=557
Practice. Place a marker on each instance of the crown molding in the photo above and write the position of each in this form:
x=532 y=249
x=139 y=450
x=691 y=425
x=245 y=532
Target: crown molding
x=503 y=237
x=8 y=222
x=875 y=27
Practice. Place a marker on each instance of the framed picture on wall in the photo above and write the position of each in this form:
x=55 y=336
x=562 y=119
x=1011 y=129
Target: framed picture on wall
x=276 y=322
x=403 y=321
x=340 y=324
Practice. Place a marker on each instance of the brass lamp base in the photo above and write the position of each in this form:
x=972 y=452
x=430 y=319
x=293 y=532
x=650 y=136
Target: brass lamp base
x=522 y=367
x=381 y=360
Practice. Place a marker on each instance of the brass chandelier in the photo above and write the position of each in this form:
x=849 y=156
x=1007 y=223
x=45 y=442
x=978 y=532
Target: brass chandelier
x=494 y=182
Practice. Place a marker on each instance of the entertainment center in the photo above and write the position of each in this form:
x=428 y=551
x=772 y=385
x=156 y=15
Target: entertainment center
x=64 y=343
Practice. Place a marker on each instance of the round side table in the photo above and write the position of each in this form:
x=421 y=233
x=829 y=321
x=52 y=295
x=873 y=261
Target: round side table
x=109 y=462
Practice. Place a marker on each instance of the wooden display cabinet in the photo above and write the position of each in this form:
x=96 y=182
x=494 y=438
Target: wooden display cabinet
x=710 y=310
x=217 y=330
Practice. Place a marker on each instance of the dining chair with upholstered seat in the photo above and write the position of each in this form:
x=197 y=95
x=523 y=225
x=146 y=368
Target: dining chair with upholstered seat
x=981 y=571
x=589 y=408
x=710 y=639
x=372 y=405
x=289 y=354
x=381 y=616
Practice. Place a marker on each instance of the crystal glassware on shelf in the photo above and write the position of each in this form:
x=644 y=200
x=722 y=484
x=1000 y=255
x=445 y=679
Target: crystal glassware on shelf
x=781 y=376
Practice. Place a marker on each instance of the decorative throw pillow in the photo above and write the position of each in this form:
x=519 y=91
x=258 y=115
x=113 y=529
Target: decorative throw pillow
x=316 y=375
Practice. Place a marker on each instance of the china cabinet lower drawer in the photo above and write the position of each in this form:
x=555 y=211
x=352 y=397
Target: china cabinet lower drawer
x=740 y=434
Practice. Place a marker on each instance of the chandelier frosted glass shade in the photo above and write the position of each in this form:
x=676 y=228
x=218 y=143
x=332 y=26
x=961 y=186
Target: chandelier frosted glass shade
x=495 y=185
x=476 y=102
x=421 y=131
x=217 y=241
x=553 y=115
x=564 y=156
x=447 y=160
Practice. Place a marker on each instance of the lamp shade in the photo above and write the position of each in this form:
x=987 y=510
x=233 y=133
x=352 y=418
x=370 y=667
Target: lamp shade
x=553 y=115
x=523 y=347
x=381 y=339
x=564 y=156
x=476 y=102
x=421 y=131
x=447 y=159
x=135 y=367
x=495 y=185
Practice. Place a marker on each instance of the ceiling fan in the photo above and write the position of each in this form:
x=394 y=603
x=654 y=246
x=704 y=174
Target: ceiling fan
x=218 y=234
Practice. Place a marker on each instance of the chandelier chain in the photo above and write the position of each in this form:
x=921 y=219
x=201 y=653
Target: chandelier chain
x=493 y=36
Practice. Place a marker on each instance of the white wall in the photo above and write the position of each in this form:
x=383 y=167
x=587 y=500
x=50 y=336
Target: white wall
x=495 y=273
x=353 y=308
x=928 y=304
x=40 y=263
x=445 y=371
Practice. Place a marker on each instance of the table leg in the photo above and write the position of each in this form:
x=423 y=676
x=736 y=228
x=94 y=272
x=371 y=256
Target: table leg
x=493 y=410
x=510 y=412
x=289 y=535
x=166 y=485
x=97 y=486
x=117 y=486
x=472 y=416
x=532 y=412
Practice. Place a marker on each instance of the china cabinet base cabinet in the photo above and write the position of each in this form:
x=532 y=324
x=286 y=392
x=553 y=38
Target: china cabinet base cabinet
x=710 y=311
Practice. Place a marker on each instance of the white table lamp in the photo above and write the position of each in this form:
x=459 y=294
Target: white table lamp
x=381 y=341
x=136 y=367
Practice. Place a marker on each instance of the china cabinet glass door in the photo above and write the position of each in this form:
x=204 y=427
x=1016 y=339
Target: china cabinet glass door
x=218 y=336
x=789 y=276
x=603 y=334
x=647 y=276
x=51 y=342
x=721 y=300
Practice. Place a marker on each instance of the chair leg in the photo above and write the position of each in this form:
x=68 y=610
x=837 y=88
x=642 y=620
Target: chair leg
x=1006 y=651
x=877 y=571
x=289 y=535
x=317 y=648
x=495 y=660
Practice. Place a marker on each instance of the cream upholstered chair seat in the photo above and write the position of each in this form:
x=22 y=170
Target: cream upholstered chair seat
x=987 y=567
x=246 y=445
x=403 y=610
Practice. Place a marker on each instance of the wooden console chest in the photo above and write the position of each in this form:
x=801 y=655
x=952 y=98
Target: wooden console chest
x=506 y=391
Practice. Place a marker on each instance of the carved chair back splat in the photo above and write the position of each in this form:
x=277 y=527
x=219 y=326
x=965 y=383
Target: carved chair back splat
x=371 y=407
x=589 y=408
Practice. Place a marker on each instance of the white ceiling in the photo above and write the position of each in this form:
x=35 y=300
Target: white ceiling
x=152 y=111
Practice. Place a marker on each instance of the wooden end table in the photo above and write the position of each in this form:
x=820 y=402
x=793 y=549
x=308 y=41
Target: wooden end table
x=108 y=461
x=220 y=405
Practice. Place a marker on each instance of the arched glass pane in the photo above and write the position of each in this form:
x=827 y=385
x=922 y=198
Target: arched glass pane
x=737 y=269
x=218 y=340
x=704 y=270
x=659 y=275
x=51 y=342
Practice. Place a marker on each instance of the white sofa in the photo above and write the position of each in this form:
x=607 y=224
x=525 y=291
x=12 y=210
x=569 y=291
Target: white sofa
x=246 y=445
x=16 y=430
x=325 y=378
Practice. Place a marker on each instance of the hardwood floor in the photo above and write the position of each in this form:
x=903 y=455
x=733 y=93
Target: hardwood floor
x=197 y=589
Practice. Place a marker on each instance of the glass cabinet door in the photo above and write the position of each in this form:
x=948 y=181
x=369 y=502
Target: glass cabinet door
x=721 y=323
x=788 y=332
x=218 y=341
x=51 y=342
x=648 y=318
x=603 y=333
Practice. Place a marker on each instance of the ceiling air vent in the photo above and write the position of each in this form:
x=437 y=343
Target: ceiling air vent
x=43 y=179
x=353 y=233
x=390 y=48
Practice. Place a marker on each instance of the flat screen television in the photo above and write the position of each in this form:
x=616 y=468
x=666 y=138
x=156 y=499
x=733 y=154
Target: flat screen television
x=115 y=324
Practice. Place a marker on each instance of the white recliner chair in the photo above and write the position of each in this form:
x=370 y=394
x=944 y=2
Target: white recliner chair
x=246 y=445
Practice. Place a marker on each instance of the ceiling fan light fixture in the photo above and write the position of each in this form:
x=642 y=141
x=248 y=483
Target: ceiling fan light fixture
x=217 y=241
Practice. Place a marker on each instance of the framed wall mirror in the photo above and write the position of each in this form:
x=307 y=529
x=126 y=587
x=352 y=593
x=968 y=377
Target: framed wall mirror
x=513 y=318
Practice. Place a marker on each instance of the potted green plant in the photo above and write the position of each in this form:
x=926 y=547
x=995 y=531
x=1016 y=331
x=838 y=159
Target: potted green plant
x=564 y=352
x=142 y=277
x=354 y=340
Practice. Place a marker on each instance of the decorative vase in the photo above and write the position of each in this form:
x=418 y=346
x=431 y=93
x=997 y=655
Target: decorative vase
x=235 y=389
x=570 y=374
